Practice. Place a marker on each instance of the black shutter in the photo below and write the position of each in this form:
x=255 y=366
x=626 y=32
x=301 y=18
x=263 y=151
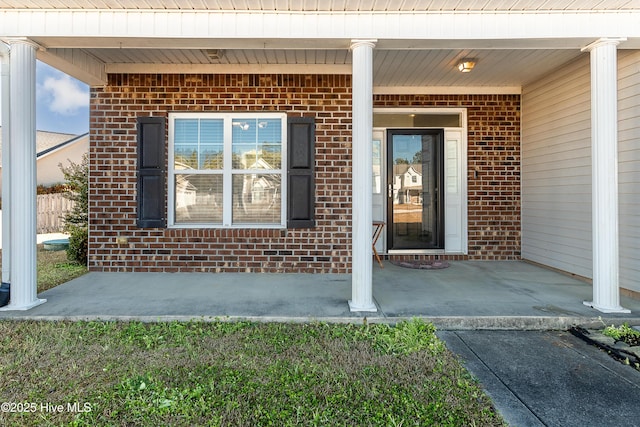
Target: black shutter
x=301 y=172
x=151 y=172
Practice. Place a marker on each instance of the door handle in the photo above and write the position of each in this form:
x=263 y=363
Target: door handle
x=389 y=190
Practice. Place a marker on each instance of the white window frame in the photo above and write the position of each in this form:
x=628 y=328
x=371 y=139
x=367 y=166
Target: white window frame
x=227 y=171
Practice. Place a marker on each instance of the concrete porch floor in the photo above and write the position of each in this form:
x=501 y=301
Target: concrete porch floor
x=467 y=295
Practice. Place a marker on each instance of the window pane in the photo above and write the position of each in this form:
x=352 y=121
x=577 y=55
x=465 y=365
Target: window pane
x=257 y=144
x=198 y=144
x=256 y=198
x=211 y=143
x=186 y=131
x=211 y=156
x=198 y=198
x=185 y=142
x=185 y=156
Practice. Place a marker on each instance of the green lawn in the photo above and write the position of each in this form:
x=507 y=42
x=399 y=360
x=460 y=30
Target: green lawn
x=234 y=374
x=54 y=268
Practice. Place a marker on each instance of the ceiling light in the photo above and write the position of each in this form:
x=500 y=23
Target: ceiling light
x=466 y=65
x=214 y=54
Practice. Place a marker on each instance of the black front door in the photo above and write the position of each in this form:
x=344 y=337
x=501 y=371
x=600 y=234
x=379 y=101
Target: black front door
x=415 y=197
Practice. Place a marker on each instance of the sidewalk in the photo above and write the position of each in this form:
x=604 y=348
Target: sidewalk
x=549 y=378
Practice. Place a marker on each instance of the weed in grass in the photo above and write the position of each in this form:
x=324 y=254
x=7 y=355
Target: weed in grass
x=623 y=333
x=405 y=337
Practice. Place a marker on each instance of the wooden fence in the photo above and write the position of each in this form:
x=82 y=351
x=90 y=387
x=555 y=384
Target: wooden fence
x=51 y=210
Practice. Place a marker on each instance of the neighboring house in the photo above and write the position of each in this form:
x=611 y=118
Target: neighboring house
x=501 y=103
x=53 y=149
x=407 y=184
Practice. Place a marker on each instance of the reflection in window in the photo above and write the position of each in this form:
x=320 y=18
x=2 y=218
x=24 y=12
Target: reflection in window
x=257 y=144
x=198 y=144
x=198 y=198
x=256 y=198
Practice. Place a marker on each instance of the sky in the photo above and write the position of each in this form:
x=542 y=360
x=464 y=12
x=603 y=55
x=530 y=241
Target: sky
x=62 y=102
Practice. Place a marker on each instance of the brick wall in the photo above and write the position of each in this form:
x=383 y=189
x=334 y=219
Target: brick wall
x=112 y=201
x=494 y=152
x=494 y=197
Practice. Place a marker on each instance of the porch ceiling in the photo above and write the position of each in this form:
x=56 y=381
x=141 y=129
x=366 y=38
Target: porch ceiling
x=392 y=68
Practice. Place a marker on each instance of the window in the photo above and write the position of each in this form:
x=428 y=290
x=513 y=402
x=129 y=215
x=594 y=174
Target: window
x=227 y=170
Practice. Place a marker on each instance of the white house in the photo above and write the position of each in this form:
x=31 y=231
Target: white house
x=53 y=149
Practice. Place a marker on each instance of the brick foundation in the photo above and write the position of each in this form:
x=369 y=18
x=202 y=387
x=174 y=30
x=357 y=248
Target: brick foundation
x=494 y=196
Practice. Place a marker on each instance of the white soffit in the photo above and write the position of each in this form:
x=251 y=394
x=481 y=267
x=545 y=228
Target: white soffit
x=325 y=5
x=312 y=28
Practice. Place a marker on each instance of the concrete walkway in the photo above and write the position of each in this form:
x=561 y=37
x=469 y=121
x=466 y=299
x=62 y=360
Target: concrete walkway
x=549 y=378
x=467 y=295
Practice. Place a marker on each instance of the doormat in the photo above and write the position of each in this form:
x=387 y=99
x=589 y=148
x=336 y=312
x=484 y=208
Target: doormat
x=422 y=264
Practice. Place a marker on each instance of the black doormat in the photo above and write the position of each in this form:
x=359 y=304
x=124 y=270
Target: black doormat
x=421 y=264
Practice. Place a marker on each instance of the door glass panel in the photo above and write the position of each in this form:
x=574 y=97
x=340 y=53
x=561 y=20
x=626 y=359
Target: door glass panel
x=415 y=202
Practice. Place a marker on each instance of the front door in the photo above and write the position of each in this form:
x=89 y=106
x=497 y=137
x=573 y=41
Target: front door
x=415 y=204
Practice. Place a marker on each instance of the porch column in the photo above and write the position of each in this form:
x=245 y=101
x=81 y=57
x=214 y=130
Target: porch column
x=23 y=175
x=604 y=161
x=361 y=219
x=6 y=163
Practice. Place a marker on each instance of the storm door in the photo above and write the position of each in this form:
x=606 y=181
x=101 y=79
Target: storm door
x=415 y=205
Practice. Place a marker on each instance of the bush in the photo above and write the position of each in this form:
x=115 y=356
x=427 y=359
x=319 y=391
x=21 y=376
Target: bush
x=78 y=239
x=76 y=222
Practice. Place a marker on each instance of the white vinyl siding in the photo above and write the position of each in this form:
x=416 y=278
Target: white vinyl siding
x=556 y=169
x=629 y=167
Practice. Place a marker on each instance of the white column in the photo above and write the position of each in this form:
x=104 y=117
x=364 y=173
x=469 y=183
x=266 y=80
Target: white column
x=604 y=160
x=6 y=163
x=23 y=176
x=362 y=119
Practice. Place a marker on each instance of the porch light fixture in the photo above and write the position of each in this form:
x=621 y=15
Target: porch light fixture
x=214 y=54
x=466 y=65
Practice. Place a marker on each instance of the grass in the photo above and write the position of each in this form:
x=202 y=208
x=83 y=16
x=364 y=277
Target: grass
x=234 y=374
x=54 y=268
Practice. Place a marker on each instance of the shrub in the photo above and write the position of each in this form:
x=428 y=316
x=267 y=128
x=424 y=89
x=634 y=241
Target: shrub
x=76 y=221
x=78 y=239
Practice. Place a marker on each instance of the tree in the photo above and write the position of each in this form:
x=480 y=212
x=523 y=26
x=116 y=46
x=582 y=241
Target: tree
x=417 y=158
x=76 y=222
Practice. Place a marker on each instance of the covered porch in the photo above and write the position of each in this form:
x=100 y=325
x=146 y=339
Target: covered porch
x=369 y=47
x=466 y=295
